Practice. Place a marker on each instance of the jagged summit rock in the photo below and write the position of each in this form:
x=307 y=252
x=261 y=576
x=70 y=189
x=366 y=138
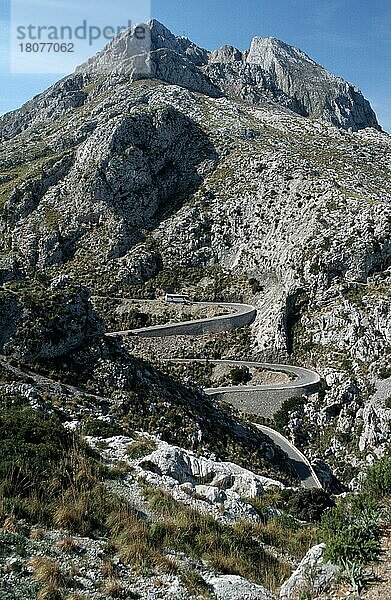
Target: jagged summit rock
x=269 y=71
x=319 y=93
x=133 y=50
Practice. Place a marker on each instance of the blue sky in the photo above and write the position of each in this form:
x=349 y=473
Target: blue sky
x=352 y=38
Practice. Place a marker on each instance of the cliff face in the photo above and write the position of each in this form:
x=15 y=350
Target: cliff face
x=318 y=93
x=208 y=160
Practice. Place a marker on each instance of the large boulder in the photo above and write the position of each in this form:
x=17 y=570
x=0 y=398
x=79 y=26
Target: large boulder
x=233 y=587
x=312 y=575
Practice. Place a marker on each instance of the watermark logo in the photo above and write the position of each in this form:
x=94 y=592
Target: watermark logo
x=46 y=38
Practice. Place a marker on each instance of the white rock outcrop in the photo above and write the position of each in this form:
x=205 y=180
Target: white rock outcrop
x=233 y=587
x=312 y=575
x=185 y=466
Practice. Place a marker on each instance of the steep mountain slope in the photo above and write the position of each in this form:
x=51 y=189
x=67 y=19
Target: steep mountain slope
x=157 y=165
x=114 y=182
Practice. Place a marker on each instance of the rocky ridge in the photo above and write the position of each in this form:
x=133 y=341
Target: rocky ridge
x=270 y=71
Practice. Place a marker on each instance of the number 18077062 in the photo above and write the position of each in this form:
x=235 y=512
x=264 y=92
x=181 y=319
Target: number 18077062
x=47 y=47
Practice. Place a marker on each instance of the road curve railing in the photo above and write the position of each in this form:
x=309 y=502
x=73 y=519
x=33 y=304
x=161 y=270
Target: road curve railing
x=302 y=378
x=239 y=315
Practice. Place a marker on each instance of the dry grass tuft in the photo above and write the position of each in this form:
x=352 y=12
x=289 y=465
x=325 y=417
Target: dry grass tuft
x=112 y=587
x=37 y=534
x=50 y=592
x=70 y=517
x=195 y=584
x=67 y=545
x=166 y=565
x=47 y=571
x=108 y=569
x=11 y=524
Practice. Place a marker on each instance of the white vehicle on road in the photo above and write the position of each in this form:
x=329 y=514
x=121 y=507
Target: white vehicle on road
x=178 y=298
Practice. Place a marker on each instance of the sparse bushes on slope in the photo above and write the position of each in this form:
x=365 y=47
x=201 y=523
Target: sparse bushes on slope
x=222 y=286
x=229 y=549
x=41 y=466
x=351 y=532
x=281 y=417
x=240 y=375
x=140 y=448
x=51 y=322
x=352 y=529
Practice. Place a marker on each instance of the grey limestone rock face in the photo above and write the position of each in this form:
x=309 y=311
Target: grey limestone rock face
x=376 y=417
x=319 y=93
x=247 y=82
x=184 y=466
x=226 y=54
x=62 y=98
x=117 y=181
x=312 y=575
x=233 y=587
x=141 y=40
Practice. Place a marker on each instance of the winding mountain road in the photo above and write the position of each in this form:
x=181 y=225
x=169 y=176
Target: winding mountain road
x=240 y=315
x=301 y=377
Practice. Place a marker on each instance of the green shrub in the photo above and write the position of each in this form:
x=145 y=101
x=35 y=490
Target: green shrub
x=141 y=447
x=98 y=428
x=378 y=480
x=31 y=444
x=351 y=531
x=239 y=375
x=281 y=417
x=323 y=389
x=41 y=465
x=385 y=372
x=309 y=505
x=255 y=286
x=137 y=319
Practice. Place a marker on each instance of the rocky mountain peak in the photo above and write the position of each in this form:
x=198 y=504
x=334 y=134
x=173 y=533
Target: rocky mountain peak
x=161 y=37
x=319 y=93
x=270 y=71
x=265 y=48
x=226 y=54
x=134 y=48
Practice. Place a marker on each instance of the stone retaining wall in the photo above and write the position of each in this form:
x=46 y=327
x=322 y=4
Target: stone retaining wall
x=263 y=403
x=201 y=327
